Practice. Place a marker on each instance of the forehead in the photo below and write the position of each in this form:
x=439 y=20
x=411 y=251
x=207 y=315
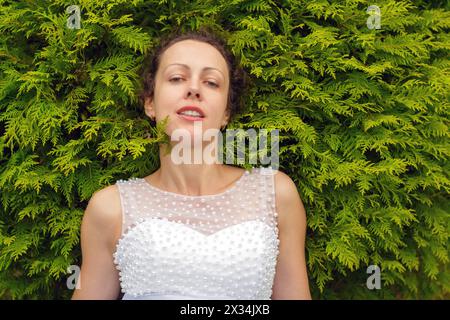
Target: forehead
x=195 y=54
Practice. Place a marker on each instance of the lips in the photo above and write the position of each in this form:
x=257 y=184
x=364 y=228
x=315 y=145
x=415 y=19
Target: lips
x=191 y=108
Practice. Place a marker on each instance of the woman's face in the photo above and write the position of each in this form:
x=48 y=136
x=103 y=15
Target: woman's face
x=190 y=74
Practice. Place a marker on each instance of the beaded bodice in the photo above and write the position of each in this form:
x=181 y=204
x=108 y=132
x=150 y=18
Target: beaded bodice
x=221 y=246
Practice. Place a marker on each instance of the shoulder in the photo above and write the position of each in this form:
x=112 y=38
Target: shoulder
x=287 y=198
x=106 y=199
x=104 y=213
x=285 y=187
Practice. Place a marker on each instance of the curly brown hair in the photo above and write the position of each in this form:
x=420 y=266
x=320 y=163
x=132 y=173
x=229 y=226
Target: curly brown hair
x=239 y=80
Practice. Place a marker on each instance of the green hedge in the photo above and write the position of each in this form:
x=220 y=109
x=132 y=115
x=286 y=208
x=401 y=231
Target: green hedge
x=363 y=116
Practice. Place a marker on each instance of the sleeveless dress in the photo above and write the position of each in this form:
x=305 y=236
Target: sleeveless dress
x=213 y=247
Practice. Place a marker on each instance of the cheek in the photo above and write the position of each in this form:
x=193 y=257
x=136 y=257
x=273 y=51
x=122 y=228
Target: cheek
x=224 y=101
x=220 y=97
x=166 y=99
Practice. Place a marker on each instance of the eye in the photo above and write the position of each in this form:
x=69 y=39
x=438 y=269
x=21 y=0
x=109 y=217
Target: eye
x=175 y=79
x=212 y=84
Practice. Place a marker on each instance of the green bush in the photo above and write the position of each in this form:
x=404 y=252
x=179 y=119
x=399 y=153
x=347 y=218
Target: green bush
x=363 y=116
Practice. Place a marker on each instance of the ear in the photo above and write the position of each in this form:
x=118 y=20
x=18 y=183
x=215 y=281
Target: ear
x=224 y=123
x=148 y=107
x=225 y=119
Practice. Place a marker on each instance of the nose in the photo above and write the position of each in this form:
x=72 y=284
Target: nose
x=193 y=91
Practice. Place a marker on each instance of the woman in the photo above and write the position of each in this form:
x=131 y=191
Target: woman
x=195 y=230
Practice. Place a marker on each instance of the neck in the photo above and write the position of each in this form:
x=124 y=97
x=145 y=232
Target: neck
x=190 y=177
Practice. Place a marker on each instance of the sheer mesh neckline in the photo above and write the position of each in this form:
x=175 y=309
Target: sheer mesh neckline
x=233 y=187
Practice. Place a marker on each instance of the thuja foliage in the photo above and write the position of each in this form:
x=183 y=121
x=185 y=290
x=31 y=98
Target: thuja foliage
x=362 y=112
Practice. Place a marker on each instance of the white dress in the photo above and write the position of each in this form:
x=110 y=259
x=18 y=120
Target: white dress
x=213 y=247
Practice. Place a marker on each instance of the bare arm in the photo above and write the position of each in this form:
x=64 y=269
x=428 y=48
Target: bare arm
x=291 y=280
x=100 y=228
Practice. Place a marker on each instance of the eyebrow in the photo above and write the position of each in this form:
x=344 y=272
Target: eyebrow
x=187 y=67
